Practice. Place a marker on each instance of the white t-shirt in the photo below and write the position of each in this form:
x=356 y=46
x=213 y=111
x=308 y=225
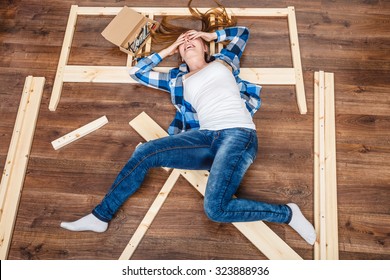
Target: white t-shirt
x=214 y=94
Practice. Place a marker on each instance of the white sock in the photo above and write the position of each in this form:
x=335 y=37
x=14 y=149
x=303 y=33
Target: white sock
x=89 y=222
x=301 y=225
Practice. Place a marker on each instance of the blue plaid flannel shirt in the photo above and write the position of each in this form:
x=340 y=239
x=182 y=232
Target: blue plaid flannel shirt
x=172 y=82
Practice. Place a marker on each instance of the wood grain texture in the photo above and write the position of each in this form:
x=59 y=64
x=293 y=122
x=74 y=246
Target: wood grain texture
x=66 y=184
x=14 y=173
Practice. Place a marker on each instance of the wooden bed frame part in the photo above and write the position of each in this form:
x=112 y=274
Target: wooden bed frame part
x=17 y=159
x=325 y=179
x=118 y=74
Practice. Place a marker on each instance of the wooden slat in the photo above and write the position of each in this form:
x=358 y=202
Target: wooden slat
x=79 y=133
x=325 y=181
x=258 y=233
x=269 y=76
x=242 y=12
x=332 y=248
x=296 y=58
x=150 y=215
x=17 y=158
x=18 y=127
x=147 y=127
x=129 y=60
x=316 y=166
x=119 y=74
x=64 y=56
x=322 y=180
x=148 y=45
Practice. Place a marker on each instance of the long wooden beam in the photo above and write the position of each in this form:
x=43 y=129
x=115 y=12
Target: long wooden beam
x=64 y=56
x=17 y=159
x=163 y=11
x=269 y=243
x=325 y=181
x=332 y=249
x=119 y=74
x=296 y=59
x=321 y=120
x=316 y=165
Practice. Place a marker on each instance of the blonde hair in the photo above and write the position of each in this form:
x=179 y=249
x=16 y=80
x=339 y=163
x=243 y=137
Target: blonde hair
x=211 y=20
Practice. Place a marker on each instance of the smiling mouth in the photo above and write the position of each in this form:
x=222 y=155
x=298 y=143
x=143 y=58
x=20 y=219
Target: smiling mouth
x=189 y=47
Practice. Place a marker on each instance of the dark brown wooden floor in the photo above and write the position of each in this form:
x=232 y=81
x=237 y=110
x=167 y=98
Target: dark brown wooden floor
x=349 y=38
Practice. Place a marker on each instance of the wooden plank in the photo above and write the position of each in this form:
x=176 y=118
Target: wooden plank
x=150 y=215
x=296 y=58
x=332 y=248
x=258 y=233
x=98 y=11
x=18 y=127
x=129 y=60
x=269 y=76
x=322 y=180
x=148 y=45
x=17 y=158
x=325 y=181
x=79 y=133
x=316 y=166
x=147 y=127
x=162 y=11
x=119 y=74
x=64 y=56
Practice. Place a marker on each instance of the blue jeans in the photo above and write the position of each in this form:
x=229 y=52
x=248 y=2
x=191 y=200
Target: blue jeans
x=226 y=153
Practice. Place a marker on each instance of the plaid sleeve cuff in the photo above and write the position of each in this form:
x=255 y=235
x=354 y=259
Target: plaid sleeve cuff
x=221 y=35
x=155 y=58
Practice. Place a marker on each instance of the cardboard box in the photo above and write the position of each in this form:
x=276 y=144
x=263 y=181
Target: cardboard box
x=129 y=30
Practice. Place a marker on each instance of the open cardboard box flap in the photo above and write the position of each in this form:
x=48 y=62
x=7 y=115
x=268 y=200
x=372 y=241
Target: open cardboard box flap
x=126 y=30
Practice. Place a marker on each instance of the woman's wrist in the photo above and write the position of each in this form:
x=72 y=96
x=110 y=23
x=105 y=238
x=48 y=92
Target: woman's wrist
x=214 y=36
x=163 y=53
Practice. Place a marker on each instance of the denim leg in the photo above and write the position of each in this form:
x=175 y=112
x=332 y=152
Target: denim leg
x=236 y=151
x=188 y=150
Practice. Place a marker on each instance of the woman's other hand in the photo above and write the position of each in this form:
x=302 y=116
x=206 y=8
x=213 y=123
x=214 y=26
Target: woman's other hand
x=208 y=37
x=172 y=49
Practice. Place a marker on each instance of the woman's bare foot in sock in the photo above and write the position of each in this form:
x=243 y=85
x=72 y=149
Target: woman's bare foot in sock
x=301 y=225
x=87 y=223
